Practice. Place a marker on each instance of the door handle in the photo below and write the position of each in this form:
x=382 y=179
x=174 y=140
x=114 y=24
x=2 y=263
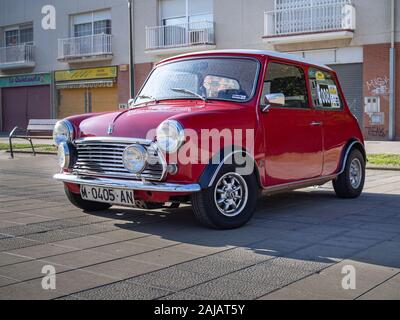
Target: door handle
x=316 y=124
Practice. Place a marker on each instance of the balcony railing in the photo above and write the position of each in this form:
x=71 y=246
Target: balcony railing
x=94 y=46
x=310 y=16
x=19 y=56
x=181 y=35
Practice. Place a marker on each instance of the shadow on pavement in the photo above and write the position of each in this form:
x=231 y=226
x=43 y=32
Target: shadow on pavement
x=308 y=226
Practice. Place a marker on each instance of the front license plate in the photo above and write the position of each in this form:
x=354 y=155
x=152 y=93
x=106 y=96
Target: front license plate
x=107 y=195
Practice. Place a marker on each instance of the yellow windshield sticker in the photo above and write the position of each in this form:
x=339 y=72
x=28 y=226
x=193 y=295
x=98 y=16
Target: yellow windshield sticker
x=320 y=76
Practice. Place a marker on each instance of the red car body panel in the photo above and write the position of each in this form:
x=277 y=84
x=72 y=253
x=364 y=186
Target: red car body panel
x=287 y=148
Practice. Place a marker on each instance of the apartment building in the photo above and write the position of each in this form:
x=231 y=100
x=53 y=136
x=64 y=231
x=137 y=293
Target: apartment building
x=80 y=66
x=351 y=36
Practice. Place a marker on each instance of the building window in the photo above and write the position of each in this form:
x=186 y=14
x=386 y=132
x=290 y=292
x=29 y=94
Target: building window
x=91 y=23
x=19 y=35
x=175 y=12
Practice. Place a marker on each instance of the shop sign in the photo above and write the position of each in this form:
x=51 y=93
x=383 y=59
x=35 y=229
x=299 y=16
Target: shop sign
x=86 y=74
x=24 y=80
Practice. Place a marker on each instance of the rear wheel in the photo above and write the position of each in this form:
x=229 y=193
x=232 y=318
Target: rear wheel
x=229 y=203
x=350 y=183
x=89 y=206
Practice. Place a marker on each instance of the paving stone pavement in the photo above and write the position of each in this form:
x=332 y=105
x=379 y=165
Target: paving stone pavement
x=295 y=247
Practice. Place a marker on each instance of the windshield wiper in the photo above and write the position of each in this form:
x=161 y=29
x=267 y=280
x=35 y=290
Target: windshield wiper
x=182 y=90
x=151 y=98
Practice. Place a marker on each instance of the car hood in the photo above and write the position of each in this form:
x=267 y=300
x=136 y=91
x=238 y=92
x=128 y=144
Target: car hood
x=142 y=122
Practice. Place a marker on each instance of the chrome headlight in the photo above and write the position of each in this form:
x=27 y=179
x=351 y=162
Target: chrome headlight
x=170 y=136
x=135 y=159
x=63 y=132
x=66 y=155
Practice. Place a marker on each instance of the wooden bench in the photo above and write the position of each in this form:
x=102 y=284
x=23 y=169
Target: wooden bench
x=37 y=129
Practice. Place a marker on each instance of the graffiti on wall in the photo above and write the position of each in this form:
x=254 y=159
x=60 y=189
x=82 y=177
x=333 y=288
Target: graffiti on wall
x=378 y=86
x=377 y=131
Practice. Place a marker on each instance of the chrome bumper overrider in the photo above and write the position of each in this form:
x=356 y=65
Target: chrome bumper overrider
x=128 y=184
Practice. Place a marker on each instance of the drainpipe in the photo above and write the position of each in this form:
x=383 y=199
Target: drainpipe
x=392 y=102
x=131 y=59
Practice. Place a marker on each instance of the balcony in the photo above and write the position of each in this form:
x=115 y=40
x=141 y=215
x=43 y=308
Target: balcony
x=180 y=38
x=82 y=49
x=17 y=57
x=310 y=22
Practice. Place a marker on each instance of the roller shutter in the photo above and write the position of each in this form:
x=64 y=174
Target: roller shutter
x=351 y=80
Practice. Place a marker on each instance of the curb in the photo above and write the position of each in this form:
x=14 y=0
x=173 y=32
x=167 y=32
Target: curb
x=30 y=152
x=376 y=168
x=387 y=168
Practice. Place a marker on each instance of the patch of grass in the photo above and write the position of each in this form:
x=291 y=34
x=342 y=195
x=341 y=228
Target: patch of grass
x=23 y=146
x=384 y=160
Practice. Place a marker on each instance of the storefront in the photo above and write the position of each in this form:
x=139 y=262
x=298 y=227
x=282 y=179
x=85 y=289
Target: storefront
x=86 y=91
x=24 y=97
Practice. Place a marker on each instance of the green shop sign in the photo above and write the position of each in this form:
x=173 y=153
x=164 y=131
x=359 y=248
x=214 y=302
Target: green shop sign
x=24 y=80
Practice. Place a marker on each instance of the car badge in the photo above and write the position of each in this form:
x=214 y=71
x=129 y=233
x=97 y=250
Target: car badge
x=110 y=129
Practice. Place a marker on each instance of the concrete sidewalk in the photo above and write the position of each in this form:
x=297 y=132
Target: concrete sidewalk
x=378 y=147
x=37 y=141
x=296 y=246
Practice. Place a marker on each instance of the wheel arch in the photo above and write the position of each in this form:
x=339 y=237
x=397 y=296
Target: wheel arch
x=218 y=160
x=353 y=144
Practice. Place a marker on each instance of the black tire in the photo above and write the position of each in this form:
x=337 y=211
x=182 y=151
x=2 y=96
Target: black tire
x=89 y=206
x=206 y=210
x=343 y=184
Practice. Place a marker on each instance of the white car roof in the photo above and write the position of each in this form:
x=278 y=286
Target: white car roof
x=269 y=53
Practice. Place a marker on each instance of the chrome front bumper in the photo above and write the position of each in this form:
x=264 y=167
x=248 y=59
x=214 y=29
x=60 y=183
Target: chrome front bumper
x=128 y=184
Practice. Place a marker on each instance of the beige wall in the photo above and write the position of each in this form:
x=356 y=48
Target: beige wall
x=14 y=12
x=145 y=14
x=240 y=24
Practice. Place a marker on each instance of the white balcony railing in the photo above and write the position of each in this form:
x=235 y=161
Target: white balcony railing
x=17 y=56
x=309 y=16
x=84 y=47
x=181 y=35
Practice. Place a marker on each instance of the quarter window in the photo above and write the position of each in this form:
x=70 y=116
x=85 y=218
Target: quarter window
x=324 y=90
x=289 y=80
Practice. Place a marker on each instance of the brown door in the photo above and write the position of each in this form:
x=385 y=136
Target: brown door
x=14 y=108
x=72 y=102
x=104 y=99
x=38 y=102
x=23 y=104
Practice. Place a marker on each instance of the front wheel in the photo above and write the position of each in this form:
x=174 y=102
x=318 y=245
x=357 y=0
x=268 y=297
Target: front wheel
x=229 y=203
x=350 y=183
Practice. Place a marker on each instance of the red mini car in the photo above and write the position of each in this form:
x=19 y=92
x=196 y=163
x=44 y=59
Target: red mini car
x=216 y=129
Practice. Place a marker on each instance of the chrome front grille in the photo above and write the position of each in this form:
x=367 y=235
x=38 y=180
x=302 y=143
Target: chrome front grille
x=104 y=158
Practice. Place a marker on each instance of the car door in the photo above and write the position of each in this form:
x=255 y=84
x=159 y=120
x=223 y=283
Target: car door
x=329 y=104
x=293 y=132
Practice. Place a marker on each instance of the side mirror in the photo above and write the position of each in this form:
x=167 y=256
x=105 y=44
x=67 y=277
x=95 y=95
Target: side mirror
x=131 y=102
x=273 y=100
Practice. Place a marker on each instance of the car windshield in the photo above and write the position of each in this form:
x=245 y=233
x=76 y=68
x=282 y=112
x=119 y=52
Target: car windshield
x=230 y=79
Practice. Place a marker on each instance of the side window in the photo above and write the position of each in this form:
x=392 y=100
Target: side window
x=324 y=90
x=289 y=80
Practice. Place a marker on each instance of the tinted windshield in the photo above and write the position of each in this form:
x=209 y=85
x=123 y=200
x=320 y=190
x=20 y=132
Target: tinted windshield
x=231 y=79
